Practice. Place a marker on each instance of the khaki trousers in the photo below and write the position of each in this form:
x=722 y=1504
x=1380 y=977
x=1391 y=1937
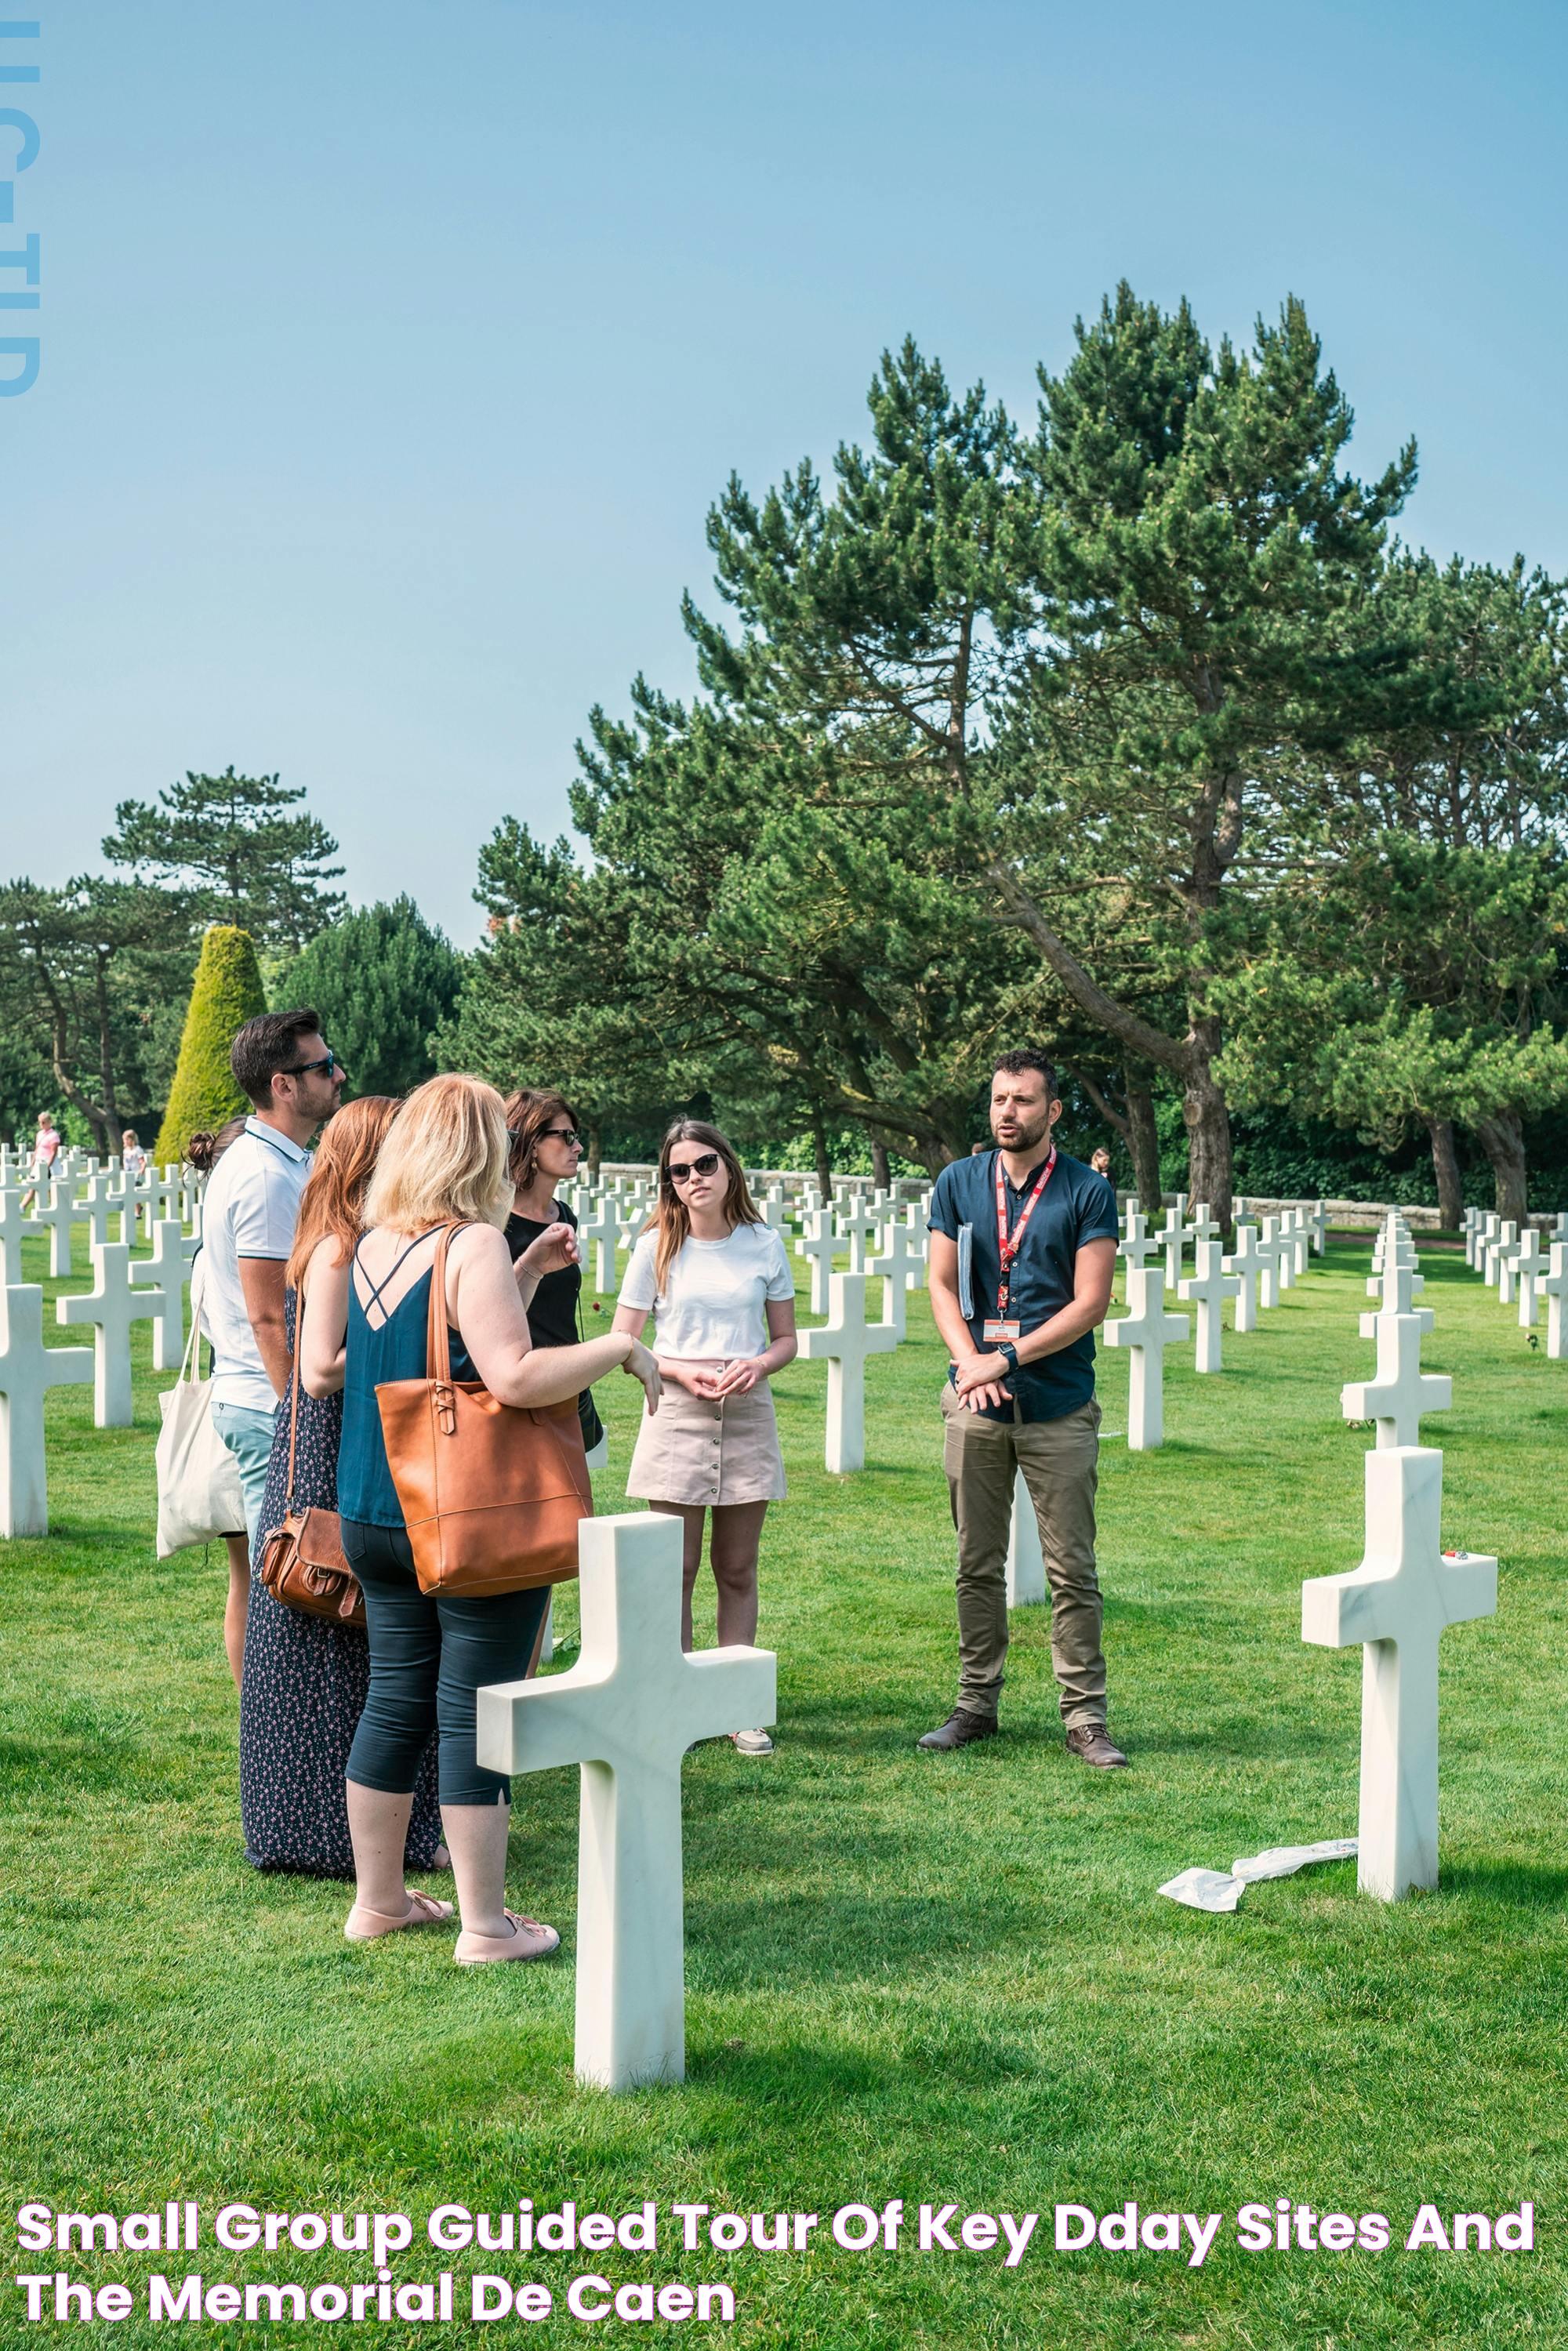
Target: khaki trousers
x=1058 y=1458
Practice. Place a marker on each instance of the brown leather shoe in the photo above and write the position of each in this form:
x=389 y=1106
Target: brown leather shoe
x=1091 y=1743
x=960 y=1729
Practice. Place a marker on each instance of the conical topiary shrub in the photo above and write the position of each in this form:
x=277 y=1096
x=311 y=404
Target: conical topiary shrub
x=227 y=992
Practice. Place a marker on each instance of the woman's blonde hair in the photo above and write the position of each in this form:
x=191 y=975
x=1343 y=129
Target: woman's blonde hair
x=444 y=1158
x=333 y=1201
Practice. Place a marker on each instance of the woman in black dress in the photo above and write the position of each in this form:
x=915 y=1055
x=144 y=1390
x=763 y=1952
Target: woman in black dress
x=546 y=1149
x=305 y=1679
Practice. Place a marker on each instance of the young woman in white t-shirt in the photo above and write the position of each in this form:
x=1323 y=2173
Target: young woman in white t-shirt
x=718 y=1284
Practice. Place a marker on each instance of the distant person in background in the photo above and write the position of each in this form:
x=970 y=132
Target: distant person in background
x=719 y=1284
x=132 y=1158
x=284 y=1067
x=46 y=1151
x=1100 y=1162
x=541 y=1127
x=305 y=1678
x=203 y=1153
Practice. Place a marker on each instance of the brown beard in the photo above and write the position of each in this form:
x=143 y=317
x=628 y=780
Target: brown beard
x=1029 y=1134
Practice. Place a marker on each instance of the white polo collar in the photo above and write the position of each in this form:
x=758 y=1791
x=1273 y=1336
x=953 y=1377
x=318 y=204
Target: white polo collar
x=278 y=1142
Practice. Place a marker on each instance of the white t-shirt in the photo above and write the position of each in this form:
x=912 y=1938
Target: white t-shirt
x=134 y=1161
x=713 y=1301
x=249 y=1209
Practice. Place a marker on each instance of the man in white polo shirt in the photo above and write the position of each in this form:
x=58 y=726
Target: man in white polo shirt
x=294 y=1081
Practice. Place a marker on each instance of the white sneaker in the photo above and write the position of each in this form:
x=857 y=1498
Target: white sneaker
x=752 y=1742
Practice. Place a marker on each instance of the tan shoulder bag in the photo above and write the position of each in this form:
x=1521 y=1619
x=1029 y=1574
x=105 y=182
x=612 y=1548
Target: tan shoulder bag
x=492 y=1494
x=302 y=1562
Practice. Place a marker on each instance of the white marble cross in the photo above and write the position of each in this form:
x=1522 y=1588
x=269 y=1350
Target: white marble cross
x=1530 y=1263
x=166 y=1272
x=857 y=1227
x=1272 y=1249
x=1503 y=1237
x=94 y=1208
x=1208 y=1289
x=110 y=1307
x=1026 y=1561
x=918 y=1244
x=57 y=1215
x=1396 y=1286
x=28 y=1369
x=603 y=1231
x=1147 y=1330
x=1202 y=1227
x=626 y=1712
x=817 y=1244
x=1507 y=1261
x=1247 y=1261
x=1138 y=1245
x=845 y=1341
x=1554 y=1288
x=893 y=1264
x=1400 y=1392
x=1173 y=1237
x=773 y=1211
x=1300 y=1240
x=1470 y=1226
x=1318 y=1226
x=1397 y=1604
x=12 y=1225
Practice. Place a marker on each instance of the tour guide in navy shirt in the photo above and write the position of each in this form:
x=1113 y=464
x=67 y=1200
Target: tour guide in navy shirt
x=1023 y=1246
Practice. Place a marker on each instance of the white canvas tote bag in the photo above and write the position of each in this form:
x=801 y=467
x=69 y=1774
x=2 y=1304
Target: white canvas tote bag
x=200 y=1497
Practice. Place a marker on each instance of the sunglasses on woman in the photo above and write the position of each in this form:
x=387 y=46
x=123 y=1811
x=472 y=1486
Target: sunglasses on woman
x=707 y=1166
x=546 y=1134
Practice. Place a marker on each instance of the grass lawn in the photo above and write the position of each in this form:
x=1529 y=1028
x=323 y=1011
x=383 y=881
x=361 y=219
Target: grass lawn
x=942 y=1978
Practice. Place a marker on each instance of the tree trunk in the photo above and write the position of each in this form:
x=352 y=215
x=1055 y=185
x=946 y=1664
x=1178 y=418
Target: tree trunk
x=1207 y=1122
x=595 y=1151
x=1143 y=1143
x=820 y=1152
x=1445 y=1167
x=1502 y=1140
x=881 y=1173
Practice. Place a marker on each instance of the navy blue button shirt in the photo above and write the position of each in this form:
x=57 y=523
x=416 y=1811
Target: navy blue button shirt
x=1076 y=1205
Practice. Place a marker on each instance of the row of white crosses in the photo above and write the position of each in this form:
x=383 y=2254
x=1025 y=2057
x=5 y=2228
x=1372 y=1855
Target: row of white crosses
x=1516 y=1265
x=1407 y=1590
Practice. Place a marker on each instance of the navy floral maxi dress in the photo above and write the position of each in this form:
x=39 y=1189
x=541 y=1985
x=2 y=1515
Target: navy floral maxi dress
x=303 y=1688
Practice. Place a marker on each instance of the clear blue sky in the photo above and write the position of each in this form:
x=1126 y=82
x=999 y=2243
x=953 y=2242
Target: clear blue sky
x=392 y=352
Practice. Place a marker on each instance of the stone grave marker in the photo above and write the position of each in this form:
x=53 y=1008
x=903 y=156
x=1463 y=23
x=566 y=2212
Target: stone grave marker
x=165 y=1273
x=1147 y=1330
x=28 y=1371
x=846 y=1342
x=626 y=1713
x=1208 y=1289
x=817 y=1244
x=110 y=1308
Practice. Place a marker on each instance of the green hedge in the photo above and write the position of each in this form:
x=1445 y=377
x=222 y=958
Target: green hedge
x=227 y=993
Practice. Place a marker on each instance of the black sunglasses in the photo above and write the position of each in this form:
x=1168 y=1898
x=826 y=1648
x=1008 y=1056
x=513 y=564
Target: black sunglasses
x=546 y=1134
x=707 y=1166
x=328 y=1062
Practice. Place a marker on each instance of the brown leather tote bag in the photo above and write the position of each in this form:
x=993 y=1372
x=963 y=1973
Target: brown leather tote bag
x=302 y=1562
x=492 y=1495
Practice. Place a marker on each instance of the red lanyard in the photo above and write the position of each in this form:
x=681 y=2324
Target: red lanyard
x=1008 y=1249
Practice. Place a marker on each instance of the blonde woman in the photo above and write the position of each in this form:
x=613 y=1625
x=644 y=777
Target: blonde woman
x=719 y=1284
x=444 y=1161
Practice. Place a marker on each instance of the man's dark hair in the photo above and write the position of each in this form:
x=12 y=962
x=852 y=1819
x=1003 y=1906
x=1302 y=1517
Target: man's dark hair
x=267 y=1045
x=1015 y=1064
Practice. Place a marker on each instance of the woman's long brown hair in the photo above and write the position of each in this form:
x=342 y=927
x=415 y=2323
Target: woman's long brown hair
x=345 y=1161
x=530 y=1110
x=670 y=1218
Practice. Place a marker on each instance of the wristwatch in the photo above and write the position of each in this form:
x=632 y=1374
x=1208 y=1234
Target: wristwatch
x=1008 y=1353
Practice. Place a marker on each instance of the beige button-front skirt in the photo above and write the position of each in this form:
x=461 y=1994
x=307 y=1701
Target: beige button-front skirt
x=693 y=1450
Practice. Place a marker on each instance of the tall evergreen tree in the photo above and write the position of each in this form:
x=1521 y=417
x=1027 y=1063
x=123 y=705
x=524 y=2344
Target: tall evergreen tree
x=383 y=980
x=242 y=847
x=227 y=992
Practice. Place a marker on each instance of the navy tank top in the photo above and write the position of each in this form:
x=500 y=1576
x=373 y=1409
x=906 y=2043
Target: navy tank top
x=391 y=1349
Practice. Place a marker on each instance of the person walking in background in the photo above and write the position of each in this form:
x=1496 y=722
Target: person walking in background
x=203 y=1153
x=285 y=1070
x=46 y=1151
x=305 y=1678
x=546 y=1149
x=719 y=1284
x=444 y=1161
x=1023 y=1246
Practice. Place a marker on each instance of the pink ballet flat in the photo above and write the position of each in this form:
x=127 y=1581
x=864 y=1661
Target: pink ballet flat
x=362 y=1926
x=528 y=1940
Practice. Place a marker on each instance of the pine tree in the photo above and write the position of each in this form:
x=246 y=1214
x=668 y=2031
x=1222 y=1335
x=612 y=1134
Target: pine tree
x=382 y=979
x=227 y=993
x=242 y=849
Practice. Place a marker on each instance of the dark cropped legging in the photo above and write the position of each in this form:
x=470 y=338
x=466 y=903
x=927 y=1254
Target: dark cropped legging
x=428 y=1656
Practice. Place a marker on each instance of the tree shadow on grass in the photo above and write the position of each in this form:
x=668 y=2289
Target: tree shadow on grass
x=1518 y=1884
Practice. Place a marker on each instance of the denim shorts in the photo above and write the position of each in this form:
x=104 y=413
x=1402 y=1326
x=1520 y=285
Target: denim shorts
x=249 y=1436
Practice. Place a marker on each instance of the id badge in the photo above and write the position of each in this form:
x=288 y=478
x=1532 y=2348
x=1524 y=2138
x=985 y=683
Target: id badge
x=994 y=1330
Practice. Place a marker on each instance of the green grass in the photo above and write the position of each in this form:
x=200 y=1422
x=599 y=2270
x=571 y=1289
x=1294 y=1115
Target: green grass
x=940 y=1979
